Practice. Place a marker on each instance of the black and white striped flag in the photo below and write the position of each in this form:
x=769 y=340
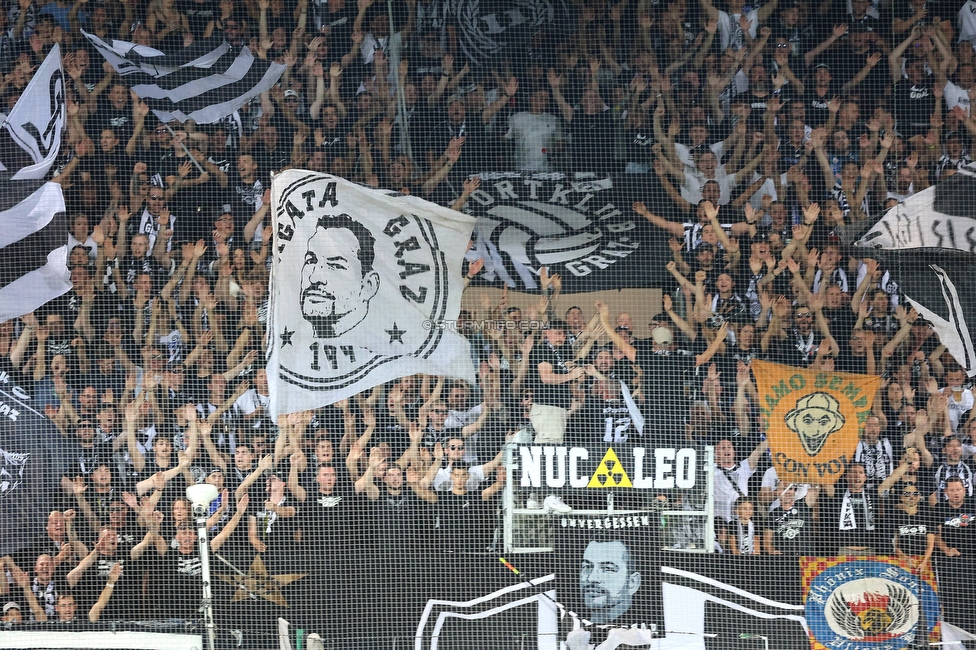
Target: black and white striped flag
x=204 y=82
x=33 y=247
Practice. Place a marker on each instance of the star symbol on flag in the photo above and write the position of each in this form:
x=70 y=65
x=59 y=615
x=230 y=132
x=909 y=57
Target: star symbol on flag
x=396 y=334
x=258 y=582
x=286 y=335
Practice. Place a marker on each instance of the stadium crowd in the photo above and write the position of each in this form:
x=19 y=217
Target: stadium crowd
x=753 y=132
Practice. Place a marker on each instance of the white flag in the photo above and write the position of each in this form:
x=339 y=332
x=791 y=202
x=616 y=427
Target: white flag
x=365 y=285
x=33 y=247
x=34 y=124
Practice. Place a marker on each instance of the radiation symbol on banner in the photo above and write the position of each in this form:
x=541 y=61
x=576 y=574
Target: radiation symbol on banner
x=610 y=473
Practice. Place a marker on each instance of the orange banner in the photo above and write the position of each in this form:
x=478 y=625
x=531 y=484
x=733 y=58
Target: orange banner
x=813 y=418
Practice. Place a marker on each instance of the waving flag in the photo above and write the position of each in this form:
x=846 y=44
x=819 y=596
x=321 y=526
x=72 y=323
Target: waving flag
x=30 y=135
x=928 y=243
x=365 y=287
x=204 y=82
x=31 y=458
x=33 y=247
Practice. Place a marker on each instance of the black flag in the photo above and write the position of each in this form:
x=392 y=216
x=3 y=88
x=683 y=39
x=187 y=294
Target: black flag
x=580 y=226
x=938 y=283
x=30 y=468
x=928 y=244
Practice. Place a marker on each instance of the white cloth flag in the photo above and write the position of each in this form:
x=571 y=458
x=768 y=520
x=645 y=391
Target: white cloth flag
x=35 y=123
x=33 y=247
x=915 y=223
x=362 y=282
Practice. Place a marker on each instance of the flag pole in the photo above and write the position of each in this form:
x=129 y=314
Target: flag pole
x=183 y=146
x=401 y=102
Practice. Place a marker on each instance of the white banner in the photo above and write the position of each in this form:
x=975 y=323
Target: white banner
x=128 y=58
x=37 y=119
x=916 y=224
x=33 y=252
x=365 y=287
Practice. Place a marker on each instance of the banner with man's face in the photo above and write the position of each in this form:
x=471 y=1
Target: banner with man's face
x=365 y=287
x=813 y=419
x=605 y=569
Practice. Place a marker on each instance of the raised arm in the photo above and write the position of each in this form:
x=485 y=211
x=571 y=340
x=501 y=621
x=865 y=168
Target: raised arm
x=263 y=465
x=113 y=577
x=676 y=229
x=231 y=526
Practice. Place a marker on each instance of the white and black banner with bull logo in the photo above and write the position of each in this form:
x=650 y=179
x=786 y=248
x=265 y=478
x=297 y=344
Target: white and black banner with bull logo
x=580 y=226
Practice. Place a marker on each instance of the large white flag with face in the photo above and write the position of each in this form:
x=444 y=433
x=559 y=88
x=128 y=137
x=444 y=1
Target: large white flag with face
x=363 y=282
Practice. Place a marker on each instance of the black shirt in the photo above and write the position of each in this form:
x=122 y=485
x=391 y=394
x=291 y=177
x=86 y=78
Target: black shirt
x=593 y=137
x=858 y=526
x=125 y=600
x=324 y=519
x=176 y=585
x=117 y=119
x=912 y=530
x=551 y=394
x=396 y=521
x=665 y=374
x=797 y=349
x=914 y=104
x=958 y=526
x=792 y=529
x=460 y=523
x=199 y=14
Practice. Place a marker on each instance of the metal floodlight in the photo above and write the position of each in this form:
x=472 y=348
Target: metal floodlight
x=201 y=496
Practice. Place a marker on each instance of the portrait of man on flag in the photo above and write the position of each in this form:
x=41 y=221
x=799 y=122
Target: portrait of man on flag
x=365 y=287
x=338 y=279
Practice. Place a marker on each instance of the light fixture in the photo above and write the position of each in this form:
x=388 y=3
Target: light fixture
x=200 y=497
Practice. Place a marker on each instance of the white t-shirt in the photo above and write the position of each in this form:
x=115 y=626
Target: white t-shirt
x=731 y=33
x=88 y=243
x=683 y=152
x=534 y=137
x=956 y=96
x=771 y=481
x=725 y=491
x=957 y=409
x=442 y=480
x=691 y=188
x=249 y=402
x=769 y=187
x=457 y=420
